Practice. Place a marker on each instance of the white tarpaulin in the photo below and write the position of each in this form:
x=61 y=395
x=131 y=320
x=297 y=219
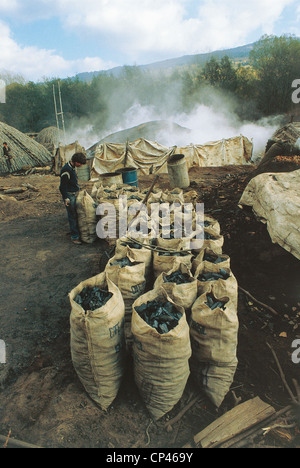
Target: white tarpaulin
x=143 y=154
x=275 y=199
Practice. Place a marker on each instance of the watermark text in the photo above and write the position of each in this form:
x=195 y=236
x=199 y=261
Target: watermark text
x=2 y=92
x=2 y=352
x=296 y=353
x=161 y=219
x=296 y=93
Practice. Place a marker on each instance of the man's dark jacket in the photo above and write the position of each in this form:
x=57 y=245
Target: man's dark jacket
x=68 y=180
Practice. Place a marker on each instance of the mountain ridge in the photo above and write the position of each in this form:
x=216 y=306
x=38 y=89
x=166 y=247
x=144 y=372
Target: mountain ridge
x=235 y=53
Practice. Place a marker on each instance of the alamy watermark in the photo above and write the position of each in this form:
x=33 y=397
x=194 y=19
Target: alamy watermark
x=296 y=353
x=164 y=220
x=296 y=93
x=2 y=92
x=2 y=352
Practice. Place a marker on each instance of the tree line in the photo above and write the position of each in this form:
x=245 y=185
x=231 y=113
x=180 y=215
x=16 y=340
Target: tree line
x=259 y=88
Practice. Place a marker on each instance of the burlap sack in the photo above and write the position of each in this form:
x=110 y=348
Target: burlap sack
x=87 y=218
x=173 y=196
x=200 y=260
x=226 y=287
x=130 y=280
x=182 y=294
x=97 y=343
x=214 y=243
x=214 y=339
x=163 y=263
x=161 y=362
x=173 y=244
x=212 y=225
x=139 y=255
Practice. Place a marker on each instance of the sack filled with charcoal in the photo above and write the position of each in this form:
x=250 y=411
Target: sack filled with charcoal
x=138 y=250
x=214 y=337
x=161 y=351
x=97 y=337
x=209 y=273
x=180 y=285
x=170 y=253
x=220 y=260
x=130 y=277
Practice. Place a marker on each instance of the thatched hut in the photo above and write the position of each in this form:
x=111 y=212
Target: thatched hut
x=26 y=152
x=50 y=138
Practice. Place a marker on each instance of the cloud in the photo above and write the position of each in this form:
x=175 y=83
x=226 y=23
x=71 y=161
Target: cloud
x=34 y=63
x=148 y=28
x=139 y=31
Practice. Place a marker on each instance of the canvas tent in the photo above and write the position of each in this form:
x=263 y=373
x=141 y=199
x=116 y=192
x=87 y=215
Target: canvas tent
x=64 y=155
x=143 y=154
x=26 y=152
x=275 y=200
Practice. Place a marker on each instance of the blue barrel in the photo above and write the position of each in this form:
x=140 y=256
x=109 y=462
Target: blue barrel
x=129 y=176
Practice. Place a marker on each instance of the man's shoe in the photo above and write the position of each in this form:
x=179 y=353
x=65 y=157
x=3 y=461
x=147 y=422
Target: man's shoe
x=76 y=241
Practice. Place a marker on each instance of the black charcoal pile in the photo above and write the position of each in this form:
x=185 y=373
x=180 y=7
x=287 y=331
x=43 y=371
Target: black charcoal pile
x=208 y=236
x=161 y=316
x=129 y=190
x=132 y=245
x=214 y=276
x=122 y=262
x=213 y=259
x=93 y=298
x=207 y=223
x=214 y=303
x=173 y=254
x=178 y=278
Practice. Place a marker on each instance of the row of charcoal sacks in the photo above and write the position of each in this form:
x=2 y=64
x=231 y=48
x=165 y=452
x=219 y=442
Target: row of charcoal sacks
x=186 y=324
x=120 y=197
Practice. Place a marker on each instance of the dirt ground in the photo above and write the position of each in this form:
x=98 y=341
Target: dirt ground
x=42 y=400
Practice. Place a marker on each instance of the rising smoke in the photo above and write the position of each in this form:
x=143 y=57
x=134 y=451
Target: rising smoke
x=213 y=119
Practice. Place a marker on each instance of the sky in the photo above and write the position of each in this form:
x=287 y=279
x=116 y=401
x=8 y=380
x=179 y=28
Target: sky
x=59 y=38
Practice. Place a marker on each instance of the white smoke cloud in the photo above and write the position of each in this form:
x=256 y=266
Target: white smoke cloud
x=204 y=124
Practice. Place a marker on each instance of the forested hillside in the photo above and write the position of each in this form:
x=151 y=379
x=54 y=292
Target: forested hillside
x=260 y=87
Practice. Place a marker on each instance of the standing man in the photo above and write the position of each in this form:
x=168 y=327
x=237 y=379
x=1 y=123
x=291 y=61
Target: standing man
x=7 y=155
x=69 y=188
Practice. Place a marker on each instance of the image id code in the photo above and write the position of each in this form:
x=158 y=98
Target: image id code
x=2 y=352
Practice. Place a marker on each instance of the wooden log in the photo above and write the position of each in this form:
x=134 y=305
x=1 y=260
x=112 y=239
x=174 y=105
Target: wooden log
x=15 y=190
x=30 y=187
x=235 y=421
x=14 y=443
